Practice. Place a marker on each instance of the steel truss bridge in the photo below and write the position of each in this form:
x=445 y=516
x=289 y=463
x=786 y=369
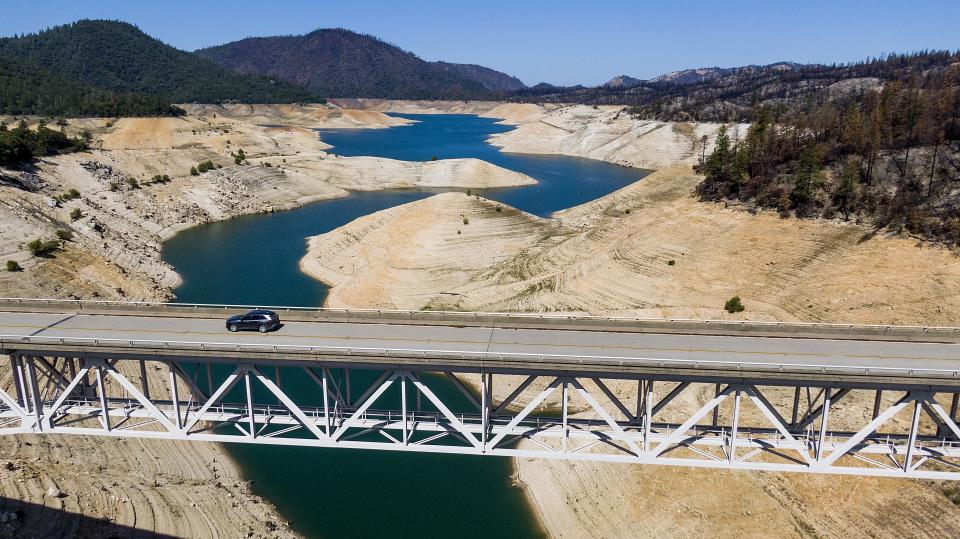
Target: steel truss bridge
x=863 y=400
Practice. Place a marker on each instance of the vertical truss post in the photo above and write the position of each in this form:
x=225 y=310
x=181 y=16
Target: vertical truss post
x=143 y=379
x=641 y=385
x=876 y=403
x=566 y=427
x=253 y=423
x=733 y=428
x=824 y=418
x=486 y=381
x=716 y=411
x=647 y=414
x=346 y=374
x=17 y=381
x=912 y=439
x=209 y=378
x=35 y=392
x=24 y=383
x=175 y=399
x=403 y=407
x=326 y=402
x=796 y=406
x=102 y=390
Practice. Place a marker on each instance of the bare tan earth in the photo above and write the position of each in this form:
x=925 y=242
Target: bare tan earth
x=311 y=116
x=600 y=259
x=123 y=225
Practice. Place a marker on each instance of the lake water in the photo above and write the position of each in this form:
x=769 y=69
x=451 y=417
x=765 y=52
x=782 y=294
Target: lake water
x=255 y=260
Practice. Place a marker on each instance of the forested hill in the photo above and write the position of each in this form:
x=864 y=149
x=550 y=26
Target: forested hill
x=341 y=63
x=30 y=90
x=885 y=149
x=118 y=58
x=491 y=79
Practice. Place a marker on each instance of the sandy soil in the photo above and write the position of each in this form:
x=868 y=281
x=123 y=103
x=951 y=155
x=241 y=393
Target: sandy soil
x=611 y=256
x=311 y=116
x=124 y=223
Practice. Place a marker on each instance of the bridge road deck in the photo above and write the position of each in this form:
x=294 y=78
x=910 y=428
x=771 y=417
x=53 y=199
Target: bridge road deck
x=617 y=349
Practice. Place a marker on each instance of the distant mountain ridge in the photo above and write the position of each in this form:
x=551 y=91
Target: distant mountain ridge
x=736 y=93
x=491 y=79
x=341 y=63
x=622 y=82
x=117 y=57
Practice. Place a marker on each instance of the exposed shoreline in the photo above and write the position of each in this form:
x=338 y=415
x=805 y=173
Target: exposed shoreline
x=116 y=254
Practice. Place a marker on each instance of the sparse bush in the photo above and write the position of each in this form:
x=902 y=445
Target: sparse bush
x=627 y=211
x=499 y=209
x=733 y=305
x=12 y=265
x=69 y=194
x=76 y=214
x=133 y=183
x=39 y=247
x=205 y=166
x=165 y=178
x=157 y=179
x=267 y=164
x=64 y=234
x=434 y=158
x=671 y=262
x=466 y=221
x=194 y=172
x=114 y=185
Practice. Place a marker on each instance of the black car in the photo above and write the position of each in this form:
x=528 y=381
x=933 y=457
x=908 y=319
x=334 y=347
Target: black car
x=261 y=320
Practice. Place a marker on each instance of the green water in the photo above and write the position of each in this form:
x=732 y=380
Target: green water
x=254 y=260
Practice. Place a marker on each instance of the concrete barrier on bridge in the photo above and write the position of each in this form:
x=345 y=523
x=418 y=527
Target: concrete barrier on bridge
x=501 y=320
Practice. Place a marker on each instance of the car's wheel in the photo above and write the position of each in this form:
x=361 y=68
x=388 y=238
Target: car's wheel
x=263 y=328
x=233 y=327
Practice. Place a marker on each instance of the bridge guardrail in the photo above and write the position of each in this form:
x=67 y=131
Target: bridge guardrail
x=502 y=320
x=492 y=359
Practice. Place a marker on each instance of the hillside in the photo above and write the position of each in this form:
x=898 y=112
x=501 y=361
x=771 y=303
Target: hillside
x=341 y=63
x=118 y=57
x=736 y=94
x=31 y=90
x=491 y=79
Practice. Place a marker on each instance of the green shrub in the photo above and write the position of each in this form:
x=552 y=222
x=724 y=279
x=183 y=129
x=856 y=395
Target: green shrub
x=114 y=185
x=205 y=166
x=466 y=221
x=133 y=183
x=157 y=179
x=70 y=194
x=194 y=172
x=12 y=265
x=64 y=234
x=39 y=247
x=733 y=305
x=499 y=209
x=76 y=214
x=165 y=178
x=671 y=262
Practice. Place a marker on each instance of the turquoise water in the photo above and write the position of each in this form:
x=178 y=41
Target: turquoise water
x=254 y=260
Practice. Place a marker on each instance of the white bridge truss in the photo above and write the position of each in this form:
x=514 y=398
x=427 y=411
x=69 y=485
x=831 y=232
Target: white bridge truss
x=802 y=426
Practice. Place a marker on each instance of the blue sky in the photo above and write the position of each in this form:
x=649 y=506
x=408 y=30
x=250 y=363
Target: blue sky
x=559 y=41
